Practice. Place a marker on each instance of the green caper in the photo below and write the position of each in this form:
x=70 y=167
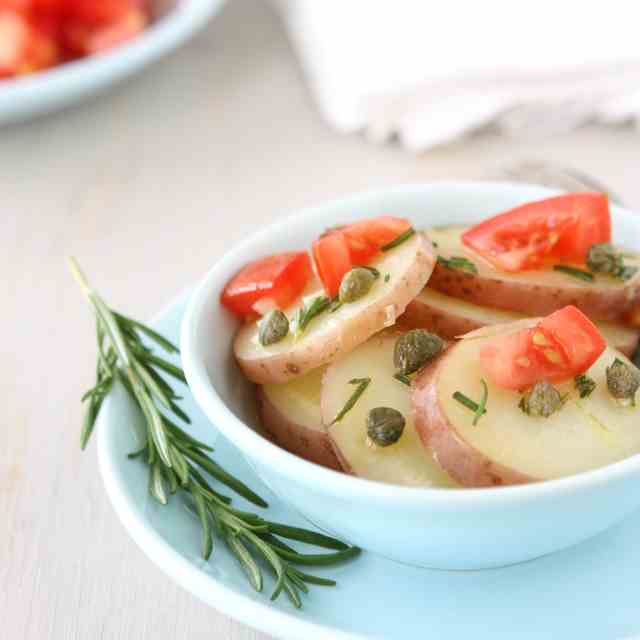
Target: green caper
x=273 y=328
x=543 y=399
x=604 y=258
x=356 y=284
x=385 y=426
x=414 y=349
x=623 y=381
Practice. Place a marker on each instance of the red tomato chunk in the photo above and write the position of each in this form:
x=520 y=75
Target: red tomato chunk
x=279 y=279
x=563 y=345
x=39 y=34
x=341 y=249
x=563 y=227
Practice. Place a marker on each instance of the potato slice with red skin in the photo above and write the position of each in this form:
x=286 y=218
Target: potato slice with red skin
x=450 y=318
x=408 y=267
x=405 y=462
x=507 y=446
x=534 y=293
x=290 y=414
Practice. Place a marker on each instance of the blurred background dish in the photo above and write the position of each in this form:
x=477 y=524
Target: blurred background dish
x=89 y=62
x=427 y=76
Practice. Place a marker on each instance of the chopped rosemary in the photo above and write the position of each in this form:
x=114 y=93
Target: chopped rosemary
x=308 y=312
x=482 y=407
x=362 y=383
x=458 y=262
x=479 y=409
x=387 y=277
x=335 y=304
x=400 y=377
x=177 y=461
x=403 y=237
x=576 y=273
x=585 y=385
x=603 y=257
x=626 y=273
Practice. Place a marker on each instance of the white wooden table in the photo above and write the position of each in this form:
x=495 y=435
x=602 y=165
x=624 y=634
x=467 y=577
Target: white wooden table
x=147 y=186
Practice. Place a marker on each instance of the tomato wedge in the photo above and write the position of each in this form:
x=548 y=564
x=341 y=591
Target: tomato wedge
x=340 y=249
x=378 y=231
x=280 y=278
x=561 y=346
x=333 y=259
x=563 y=227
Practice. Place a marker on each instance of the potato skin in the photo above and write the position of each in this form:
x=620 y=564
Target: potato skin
x=465 y=464
x=534 y=299
x=450 y=325
x=311 y=444
x=420 y=315
x=346 y=334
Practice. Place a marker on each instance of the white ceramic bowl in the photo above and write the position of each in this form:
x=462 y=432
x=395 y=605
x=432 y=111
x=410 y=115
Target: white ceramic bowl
x=452 y=529
x=174 y=22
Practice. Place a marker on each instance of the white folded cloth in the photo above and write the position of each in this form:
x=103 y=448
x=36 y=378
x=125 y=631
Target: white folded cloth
x=428 y=72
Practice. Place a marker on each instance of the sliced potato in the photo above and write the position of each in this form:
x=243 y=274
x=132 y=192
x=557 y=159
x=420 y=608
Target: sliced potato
x=290 y=414
x=450 y=318
x=534 y=293
x=408 y=268
x=507 y=446
x=406 y=462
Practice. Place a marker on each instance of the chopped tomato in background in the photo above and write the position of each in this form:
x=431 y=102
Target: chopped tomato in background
x=563 y=227
x=561 y=346
x=340 y=249
x=279 y=278
x=39 y=34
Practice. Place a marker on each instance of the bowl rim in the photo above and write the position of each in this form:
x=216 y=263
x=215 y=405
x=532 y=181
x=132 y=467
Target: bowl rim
x=162 y=36
x=282 y=462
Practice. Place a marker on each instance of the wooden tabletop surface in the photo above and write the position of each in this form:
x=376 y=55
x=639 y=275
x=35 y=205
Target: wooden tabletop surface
x=147 y=186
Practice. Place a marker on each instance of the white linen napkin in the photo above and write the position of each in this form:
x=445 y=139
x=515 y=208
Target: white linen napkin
x=428 y=72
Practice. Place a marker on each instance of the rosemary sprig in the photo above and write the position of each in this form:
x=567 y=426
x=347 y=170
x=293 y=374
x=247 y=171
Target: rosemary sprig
x=362 y=383
x=458 y=262
x=403 y=237
x=179 y=462
x=587 y=276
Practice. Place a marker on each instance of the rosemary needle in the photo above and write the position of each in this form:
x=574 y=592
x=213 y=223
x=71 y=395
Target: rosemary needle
x=177 y=461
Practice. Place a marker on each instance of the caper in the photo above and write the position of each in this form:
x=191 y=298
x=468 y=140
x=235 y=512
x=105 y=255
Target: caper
x=356 y=284
x=543 y=399
x=273 y=328
x=385 y=426
x=604 y=258
x=623 y=380
x=414 y=349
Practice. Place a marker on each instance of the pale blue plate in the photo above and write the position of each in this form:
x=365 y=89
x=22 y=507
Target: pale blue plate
x=589 y=591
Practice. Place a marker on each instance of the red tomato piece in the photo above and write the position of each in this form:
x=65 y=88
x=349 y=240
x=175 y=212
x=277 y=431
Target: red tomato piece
x=333 y=259
x=378 y=231
x=14 y=42
x=561 y=346
x=97 y=12
x=360 y=249
x=281 y=278
x=562 y=227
